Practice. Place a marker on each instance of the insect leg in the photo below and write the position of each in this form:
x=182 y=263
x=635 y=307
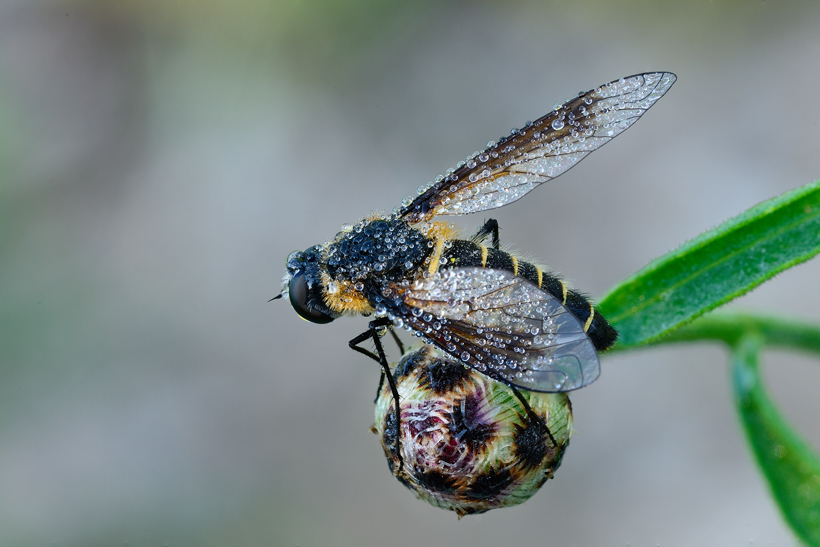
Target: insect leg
x=379 y=388
x=490 y=228
x=373 y=332
x=364 y=336
x=532 y=416
x=396 y=339
x=354 y=346
x=401 y=351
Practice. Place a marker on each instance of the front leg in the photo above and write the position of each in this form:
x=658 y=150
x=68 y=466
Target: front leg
x=375 y=331
x=379 y=324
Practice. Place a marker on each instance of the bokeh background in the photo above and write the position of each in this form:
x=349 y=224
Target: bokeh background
x=160 y=159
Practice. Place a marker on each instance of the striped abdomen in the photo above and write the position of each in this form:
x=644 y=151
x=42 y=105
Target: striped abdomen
x=463 y=254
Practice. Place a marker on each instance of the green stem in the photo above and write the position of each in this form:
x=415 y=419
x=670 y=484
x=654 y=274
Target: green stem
x=730 y=327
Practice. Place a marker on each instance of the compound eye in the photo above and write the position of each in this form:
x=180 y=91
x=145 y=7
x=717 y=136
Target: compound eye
x=298 y=291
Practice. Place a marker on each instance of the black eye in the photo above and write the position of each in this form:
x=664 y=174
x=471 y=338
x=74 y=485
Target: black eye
x=298 y=291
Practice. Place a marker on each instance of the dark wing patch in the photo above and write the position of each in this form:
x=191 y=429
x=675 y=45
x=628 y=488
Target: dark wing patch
x=500 y=325
x=542 y=150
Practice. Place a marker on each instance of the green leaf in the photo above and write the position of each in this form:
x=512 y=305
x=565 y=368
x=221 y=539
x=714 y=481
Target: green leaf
x=716 y=267
x=790 y=466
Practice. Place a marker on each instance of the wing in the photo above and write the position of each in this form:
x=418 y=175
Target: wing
x=542 y=150
x=502 y=326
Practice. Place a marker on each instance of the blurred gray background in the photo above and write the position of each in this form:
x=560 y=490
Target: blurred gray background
x=160 y=159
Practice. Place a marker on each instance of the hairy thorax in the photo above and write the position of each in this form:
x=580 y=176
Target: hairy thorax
x=374 y=252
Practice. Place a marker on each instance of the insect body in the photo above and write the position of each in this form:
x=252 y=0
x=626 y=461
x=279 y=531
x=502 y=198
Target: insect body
x=500 y=315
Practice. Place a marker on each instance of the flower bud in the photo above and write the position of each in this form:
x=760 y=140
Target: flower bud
x=467 y=442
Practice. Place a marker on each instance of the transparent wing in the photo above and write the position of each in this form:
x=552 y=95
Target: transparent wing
x=502 y=326
x=542 y=150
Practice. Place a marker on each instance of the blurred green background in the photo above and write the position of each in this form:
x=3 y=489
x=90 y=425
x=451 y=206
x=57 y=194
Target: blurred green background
x=160 y=159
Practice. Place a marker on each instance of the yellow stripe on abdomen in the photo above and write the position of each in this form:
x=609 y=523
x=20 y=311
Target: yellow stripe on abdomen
x=589 y=319
x=563 y=292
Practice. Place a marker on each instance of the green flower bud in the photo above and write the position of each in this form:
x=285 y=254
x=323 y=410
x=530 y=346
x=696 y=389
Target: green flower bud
x=467 y=442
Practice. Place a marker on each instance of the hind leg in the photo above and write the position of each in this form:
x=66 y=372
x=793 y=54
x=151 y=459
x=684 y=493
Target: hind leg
x=490 y=228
